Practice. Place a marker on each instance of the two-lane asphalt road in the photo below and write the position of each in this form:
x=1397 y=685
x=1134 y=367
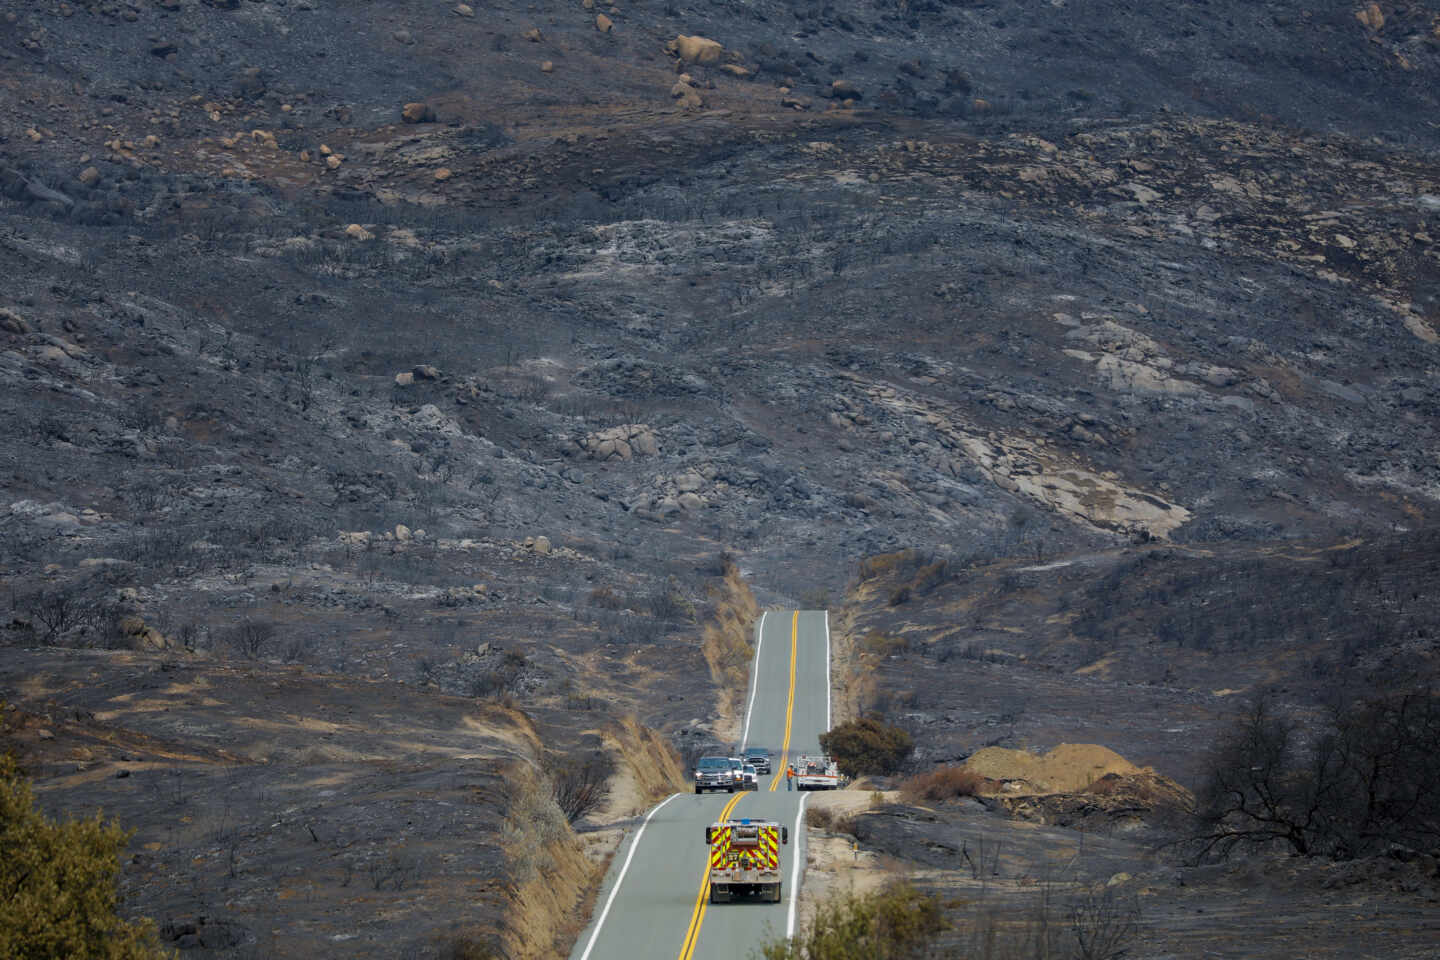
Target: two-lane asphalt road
x=655 y=904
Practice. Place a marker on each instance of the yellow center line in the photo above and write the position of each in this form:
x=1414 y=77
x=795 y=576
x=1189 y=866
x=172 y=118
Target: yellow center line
x=687 y=950
x=789 y=704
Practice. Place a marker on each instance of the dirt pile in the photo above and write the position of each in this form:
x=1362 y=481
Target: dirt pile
x=1077 y=785
x=1068 y=768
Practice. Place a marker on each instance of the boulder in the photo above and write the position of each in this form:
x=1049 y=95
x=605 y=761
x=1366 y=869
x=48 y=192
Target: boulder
x=845 y=90
x=404 y=379
x=690 y=501
x=402 y=532
x=425 y=371
x=357 y=232
x=603 y=23
x=547 y=66
x=735 y=70
x=89 y=176
x=533 y=35
x=417 y=113
x=12 y=322
x=464 y=10
x=696 y=49
x=541 y=545
x=443 y=174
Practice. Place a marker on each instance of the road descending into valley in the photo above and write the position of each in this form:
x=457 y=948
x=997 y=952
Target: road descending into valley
x=655 y=902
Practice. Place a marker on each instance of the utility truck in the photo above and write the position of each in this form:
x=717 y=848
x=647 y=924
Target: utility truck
x=745 y=859
x=817 y=773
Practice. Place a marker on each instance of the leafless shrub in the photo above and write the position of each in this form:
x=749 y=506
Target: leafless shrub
x=1369 y=781
x=503 y=680
x=58 y=609
x=249 y=637
x=579 y=783
x=1103 y=922
x=398 y=869
x=669 y=604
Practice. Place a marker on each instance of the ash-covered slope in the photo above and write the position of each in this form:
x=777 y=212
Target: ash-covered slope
x=476 y=402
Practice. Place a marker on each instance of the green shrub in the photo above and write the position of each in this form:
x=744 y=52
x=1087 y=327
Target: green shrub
x=896 y=923
x=867 y=745
x=58 y=894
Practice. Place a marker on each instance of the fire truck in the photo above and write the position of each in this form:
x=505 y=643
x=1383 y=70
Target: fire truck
x=745 y=858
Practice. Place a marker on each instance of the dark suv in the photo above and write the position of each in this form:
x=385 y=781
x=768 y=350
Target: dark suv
x=759 y=758
x=715 y=773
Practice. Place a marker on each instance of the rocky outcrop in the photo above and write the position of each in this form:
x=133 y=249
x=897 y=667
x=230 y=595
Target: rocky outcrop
x=625 y=442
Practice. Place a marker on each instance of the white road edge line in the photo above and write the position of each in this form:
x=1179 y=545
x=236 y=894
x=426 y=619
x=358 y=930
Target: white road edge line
x=635 y=845
x=794 y=871
x=754 y=682
x=827 y=671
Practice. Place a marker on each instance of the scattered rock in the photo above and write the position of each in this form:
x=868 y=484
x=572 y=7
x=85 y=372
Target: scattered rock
x=1371 y=16
x=464 y=10
x=89 y=176
x=533 y=35
x=417 y=113
x=357 y=232
x=541 y=545
x=443 y=174
x=603 y=23
x=425 y=371
x=687 y=95
x=547 y=67
x=845 y=90
x=402 y=532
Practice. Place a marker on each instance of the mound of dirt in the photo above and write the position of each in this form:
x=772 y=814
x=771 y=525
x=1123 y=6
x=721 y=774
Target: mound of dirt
x=1068 y=768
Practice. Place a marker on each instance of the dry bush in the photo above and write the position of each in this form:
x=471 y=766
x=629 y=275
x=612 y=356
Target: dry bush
x=942 y=783
x=468 y=947
x=824 y=818
x=883 y=644
x=606 y=599
x=821 y=818
x=887 y=563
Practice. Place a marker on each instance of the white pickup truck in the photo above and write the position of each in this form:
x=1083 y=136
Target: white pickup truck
x=817 y=773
